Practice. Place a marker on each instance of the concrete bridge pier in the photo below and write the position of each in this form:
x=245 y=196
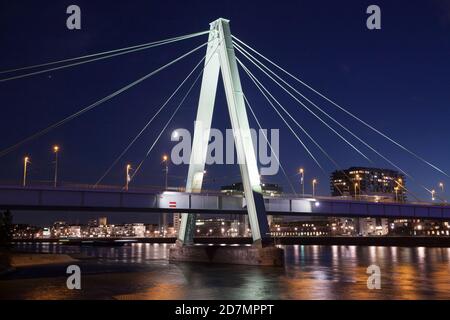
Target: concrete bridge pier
x=228 y=254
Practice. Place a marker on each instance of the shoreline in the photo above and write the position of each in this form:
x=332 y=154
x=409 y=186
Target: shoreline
x=397 y=241
x=11 y=260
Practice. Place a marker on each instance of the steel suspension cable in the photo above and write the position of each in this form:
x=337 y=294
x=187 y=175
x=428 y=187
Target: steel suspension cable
x=346 y=111
x=122 y=52
x=97 y=103
x=147 y=124
x=154 y=43
x=282 y=118
x=165 y=127
x=290 y=116
x=254 y=79
x=176 y=110
x=250 y=57
x=270 y=145
x=327 y=155
x=308 y=109
x=359 y=139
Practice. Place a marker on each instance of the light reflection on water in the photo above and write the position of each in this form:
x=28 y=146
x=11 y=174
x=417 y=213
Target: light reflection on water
x=141 y=271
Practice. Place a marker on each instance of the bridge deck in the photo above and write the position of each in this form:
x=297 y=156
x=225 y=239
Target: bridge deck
x=72 y=199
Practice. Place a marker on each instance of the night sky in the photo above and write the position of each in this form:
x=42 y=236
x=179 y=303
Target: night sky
x=396 y=79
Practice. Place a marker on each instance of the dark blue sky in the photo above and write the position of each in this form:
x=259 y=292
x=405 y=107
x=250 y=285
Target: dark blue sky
x=397 y=79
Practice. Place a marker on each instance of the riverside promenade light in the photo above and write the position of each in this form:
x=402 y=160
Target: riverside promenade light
x=314 y=182
x=26 y=161
x=302 y=180
x=55 y=178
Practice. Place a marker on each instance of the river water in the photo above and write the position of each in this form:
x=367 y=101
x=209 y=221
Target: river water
x=141 y=271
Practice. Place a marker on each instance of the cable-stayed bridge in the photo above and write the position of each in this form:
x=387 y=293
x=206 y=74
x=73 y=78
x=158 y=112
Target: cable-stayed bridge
x=226 y=55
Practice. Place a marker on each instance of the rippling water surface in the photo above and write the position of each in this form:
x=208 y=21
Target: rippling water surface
x=141 y=271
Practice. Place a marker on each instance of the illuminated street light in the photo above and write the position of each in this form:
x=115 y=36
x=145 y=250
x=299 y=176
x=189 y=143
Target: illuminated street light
x=55 y=179
x=127 y=178
x=396 y=193
x=432 y=194
x=441 y=185
x=26 y=161
x=302 y=180
x=356 y=186
x=165 y=159
x=314 y=182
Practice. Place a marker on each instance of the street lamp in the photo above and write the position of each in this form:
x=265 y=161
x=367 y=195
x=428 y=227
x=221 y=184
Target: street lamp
x=128 y=178
x=356 y=186
x=302 y=181
x=441 y=185
x=55 y=179
x=432 y=194
x=396 y=193
x=165 y=159
x=314 y=182
x=26 y=161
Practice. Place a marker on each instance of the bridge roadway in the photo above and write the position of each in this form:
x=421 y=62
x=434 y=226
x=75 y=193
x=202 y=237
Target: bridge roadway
x=80 y=199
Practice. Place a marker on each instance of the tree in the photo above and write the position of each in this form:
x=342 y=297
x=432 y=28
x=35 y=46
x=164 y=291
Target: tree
x=5 y=228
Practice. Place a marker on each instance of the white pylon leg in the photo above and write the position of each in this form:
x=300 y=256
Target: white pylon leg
x=223 y=59
x=202 y=128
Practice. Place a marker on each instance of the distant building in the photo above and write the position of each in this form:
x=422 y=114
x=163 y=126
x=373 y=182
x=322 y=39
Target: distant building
x=138 y=230
x=363 y=182
x=430 y=228
x=269 y=189
x=343 y=226
x=219 y=227
x=312 y=228
x=74 y=231
x=373 y=226
x=59 y=229
x=25 y=231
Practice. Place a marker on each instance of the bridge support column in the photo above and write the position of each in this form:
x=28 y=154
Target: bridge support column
x=220 y=56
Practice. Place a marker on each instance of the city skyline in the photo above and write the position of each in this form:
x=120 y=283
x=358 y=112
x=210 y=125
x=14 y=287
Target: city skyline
x=337 y=74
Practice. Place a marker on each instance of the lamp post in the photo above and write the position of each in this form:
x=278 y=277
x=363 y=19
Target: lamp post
x=128 y=178
x=26 y=160
x=302 y=181
x=356 y=187
x=55 y=179
x=314 y=182
x=432 y=194
x=441 y=185
x=166 y=170
x=396 y=193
